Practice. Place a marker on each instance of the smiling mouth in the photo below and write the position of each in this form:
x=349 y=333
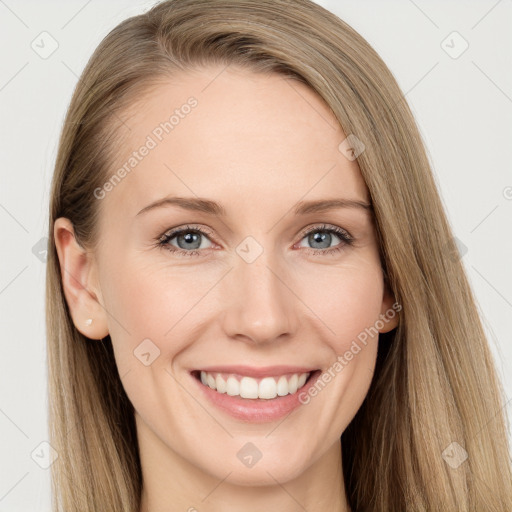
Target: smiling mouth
x=242 y=386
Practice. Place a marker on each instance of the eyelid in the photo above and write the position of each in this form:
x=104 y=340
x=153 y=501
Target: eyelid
x=186 y=227
x=324 y=227
x=345 y=237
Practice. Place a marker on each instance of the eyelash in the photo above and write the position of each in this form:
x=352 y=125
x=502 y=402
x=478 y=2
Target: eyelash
x=164 y=239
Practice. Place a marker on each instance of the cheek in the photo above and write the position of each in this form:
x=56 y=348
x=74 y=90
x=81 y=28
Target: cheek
x=347 y=300
x=155 y=311
x=157 y=302
x=348 y=303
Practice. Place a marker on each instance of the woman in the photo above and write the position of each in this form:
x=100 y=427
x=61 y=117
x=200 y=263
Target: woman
x=204 y=353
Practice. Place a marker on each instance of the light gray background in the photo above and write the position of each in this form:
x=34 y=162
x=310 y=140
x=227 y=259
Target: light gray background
x=463 y=107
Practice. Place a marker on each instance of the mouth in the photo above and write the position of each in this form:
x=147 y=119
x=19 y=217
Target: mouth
x=255 y=395
x=253 y=388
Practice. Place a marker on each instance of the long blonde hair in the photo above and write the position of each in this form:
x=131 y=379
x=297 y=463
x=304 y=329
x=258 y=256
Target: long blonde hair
x=434 y=384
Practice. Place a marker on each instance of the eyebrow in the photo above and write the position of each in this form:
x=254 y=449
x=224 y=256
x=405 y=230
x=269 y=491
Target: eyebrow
x=212 y=208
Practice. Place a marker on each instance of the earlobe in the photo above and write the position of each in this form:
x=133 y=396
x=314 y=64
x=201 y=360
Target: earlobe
x=389 y=312
x=79 y=281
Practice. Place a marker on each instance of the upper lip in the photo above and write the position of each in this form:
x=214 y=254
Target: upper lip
x=257 y=372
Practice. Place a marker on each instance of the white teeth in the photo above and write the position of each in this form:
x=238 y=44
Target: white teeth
x=282 y=386
x=302 y=380
x=268 y=388
x=211 y=381
x=247 y=387
x=220 y=384
x=292 y=383
x=232 y=387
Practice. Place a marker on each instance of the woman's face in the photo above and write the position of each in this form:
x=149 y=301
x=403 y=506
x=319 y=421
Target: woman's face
x=251 y=291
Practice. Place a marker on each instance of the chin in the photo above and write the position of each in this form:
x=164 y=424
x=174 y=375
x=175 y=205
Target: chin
x=266 y=471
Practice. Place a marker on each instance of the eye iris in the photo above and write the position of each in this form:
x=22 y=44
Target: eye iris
x=189 y=237
x=318 y=237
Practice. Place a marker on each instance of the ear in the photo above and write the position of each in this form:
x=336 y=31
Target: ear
x=389 y=314
x=80 y=282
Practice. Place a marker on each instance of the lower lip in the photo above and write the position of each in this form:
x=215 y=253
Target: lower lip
x=257 y=410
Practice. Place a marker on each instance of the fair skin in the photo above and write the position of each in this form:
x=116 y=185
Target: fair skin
x=257 y=145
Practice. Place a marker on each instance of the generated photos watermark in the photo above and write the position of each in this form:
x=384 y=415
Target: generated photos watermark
x=344 y=359
x=156 y=136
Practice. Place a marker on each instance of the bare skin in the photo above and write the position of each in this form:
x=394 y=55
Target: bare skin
x=257 y=145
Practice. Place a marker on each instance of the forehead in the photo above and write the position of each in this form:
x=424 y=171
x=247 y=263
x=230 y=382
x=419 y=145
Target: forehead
x=232 y=134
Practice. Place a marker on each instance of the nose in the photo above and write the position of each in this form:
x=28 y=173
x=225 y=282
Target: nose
x=260 y=306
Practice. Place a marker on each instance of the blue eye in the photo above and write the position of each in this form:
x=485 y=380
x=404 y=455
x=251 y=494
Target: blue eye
x=323 y=235
x=189 y=240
